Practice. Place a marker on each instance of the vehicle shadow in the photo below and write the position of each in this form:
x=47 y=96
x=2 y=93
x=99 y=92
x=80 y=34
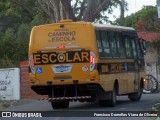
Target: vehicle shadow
x=92 y=106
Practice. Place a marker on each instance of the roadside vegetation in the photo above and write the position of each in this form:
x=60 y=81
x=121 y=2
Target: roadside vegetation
x=156 y=107
x=6 y=104
x=15 y=25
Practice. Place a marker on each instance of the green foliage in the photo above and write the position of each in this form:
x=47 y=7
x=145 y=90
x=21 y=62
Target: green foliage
x=8 y=43
x=156 y=108
x=5 y=62
x=144 y=19
x=12 y=15
x=22 y=42
x=17 y=17
x=23 y=32
x=37 y=20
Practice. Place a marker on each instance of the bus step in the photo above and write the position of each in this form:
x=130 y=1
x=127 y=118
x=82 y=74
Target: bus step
x=66 y=98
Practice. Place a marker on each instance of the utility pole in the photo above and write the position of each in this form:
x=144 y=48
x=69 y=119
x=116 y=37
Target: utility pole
x=122 y=12
x=158 y=8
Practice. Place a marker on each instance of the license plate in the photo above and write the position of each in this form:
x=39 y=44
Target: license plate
x=61 y=68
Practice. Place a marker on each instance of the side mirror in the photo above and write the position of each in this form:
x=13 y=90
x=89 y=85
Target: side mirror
x=143 y=45
x=144 y=52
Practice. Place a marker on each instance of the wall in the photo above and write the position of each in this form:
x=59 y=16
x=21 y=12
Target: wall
x=152 y=66
x=151 y=56
x=153 y=69
x=26 y=92
x=10 y=84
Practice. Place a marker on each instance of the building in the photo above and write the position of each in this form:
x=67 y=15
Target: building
x=151 y=57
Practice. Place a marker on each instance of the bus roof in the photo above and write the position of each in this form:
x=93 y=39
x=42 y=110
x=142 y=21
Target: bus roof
x=107 y=26
x=97 y=26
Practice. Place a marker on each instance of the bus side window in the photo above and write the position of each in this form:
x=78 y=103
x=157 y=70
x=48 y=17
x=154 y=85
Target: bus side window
x=120 y=45
x=134 y=48
x=98 y=41
x=128 y=46
x=105 y=44
x=113 y=45
x=140 y=54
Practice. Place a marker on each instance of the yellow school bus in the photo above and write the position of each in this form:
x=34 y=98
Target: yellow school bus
x=82 y=61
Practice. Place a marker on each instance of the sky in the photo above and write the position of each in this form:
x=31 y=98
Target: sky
x=133 y=6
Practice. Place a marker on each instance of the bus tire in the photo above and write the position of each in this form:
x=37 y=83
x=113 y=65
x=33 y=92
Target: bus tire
x=60 y=104
x=113 y=100
x=136 y=96
x=110 y=102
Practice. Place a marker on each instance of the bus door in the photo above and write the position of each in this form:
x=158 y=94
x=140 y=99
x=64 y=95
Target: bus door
x=138 y=60
x=132 y=54
x=139 y=63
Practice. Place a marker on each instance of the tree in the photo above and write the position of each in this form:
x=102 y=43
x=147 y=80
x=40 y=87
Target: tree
x=77 y=10
x=17 y=17
x=122 y=12
x=146 y=19
x=8 y=43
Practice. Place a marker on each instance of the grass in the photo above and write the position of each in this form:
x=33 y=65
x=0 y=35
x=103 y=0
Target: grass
x=156 y=107
x=4 y=104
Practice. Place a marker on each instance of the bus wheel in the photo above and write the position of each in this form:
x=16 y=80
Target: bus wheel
x=136 y=96
x=110 y=102
x=60 y=104
x=113 y=100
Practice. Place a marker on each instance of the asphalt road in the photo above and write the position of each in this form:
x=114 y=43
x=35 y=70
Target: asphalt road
x=77 y=108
